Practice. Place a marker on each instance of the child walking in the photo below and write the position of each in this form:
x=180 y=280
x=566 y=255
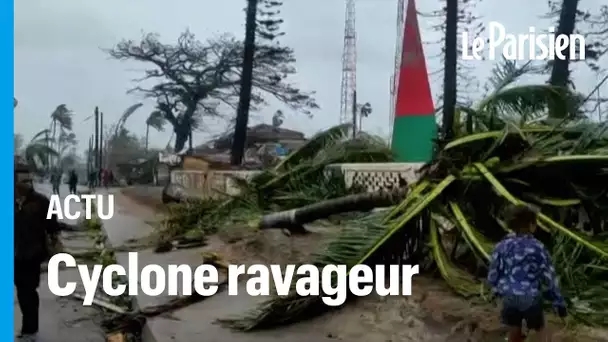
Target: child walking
x=519 y=268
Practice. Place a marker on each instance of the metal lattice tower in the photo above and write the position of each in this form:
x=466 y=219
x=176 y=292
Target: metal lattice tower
x=349 y=65
x=398 y=52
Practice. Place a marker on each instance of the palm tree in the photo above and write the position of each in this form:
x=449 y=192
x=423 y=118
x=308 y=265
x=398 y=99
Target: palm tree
x=37 y=152
x=65 y=142
x=17 y=143
x=61 y=121
x=505 y=150
x=118 y=128
x=364 y=112
x=155 y=120
x=277 y=119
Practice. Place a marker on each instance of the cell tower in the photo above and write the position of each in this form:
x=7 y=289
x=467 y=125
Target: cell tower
x=349 y=65
x=398 y=52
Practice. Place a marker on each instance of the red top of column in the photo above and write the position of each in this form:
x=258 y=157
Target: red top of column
x=413 y=91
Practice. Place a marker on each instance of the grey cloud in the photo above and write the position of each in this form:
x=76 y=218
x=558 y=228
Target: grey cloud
x=58 y=60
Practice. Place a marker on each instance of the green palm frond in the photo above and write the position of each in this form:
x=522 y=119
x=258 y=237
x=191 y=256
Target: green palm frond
x=124 y=117
x=473 y=178
x=129 y=111
x=156 y=120
x=37 y=155
x=62 y=117
x=507 y=101
x=316 y=144
x=41 y=136
x=506 y=152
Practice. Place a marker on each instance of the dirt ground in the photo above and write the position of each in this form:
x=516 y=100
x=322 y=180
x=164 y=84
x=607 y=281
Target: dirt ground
x=432 y=313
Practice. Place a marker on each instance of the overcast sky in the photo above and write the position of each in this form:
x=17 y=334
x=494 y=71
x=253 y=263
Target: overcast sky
x=58 y=57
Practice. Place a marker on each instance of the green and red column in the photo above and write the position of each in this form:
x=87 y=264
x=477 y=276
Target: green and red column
x=414 y=126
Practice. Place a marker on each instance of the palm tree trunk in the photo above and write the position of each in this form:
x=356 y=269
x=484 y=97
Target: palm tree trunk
x=450 y=69
x=560 y=73
x=360 y=122
x=53 y=141
x=147 y=136
x=294 y=218
x=242 y=115
x=48 y=157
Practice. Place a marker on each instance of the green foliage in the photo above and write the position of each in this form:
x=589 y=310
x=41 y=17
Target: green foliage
x=38 y=151
x=466 y=188
x=196 y=77
x=593 y=25
x=62 y=118
x=506 y=151
x=297 y=181
x=156 y=120
x=17 y=143
x=268 y=22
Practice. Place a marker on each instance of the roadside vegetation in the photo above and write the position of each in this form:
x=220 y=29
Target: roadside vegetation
x=506 y=150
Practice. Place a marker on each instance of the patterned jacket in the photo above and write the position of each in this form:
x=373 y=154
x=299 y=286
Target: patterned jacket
x=520 y=266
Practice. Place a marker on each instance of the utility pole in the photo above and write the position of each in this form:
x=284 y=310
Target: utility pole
x=48 y=145
x=354 y=108
x=599 y=105
x=100 y=141
x=96 y=153
x=89 y=156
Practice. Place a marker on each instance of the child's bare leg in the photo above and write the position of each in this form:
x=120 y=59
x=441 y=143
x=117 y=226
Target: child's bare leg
x=515 y=334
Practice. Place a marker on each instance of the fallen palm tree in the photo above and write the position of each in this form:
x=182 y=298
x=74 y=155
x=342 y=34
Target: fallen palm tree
x=539 y=165
x=506 y=151
x=504 y=155
x=299 y=180
x=293 y=219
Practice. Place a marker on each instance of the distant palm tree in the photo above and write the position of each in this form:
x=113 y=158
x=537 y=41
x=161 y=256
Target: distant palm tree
x=155 y=120
x=61 y=121
x=65 y=142
x=37 y=152
x=364 y=112
x=17 y=143
x=277 y=119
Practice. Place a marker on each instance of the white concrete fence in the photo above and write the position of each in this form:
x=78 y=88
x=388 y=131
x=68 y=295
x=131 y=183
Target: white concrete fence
x=370 y=176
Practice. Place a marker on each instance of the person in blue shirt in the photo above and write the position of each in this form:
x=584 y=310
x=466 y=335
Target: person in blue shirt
x=521 y=274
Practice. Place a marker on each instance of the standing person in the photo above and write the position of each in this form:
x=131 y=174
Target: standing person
x=111 y=177
x=34 y=237
x=55 y=181
x=519 y=266
x=105 y=177
x=73 y=181
x=92 y=180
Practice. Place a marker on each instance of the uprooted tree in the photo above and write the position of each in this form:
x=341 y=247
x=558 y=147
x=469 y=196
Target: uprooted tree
x=196 y=80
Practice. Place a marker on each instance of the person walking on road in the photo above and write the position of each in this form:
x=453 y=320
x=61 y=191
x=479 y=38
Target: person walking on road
x=73 y=181
x=35 y=238
x=55 y=182
x=105 y=178
x=92 y=180
x=111 y=177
